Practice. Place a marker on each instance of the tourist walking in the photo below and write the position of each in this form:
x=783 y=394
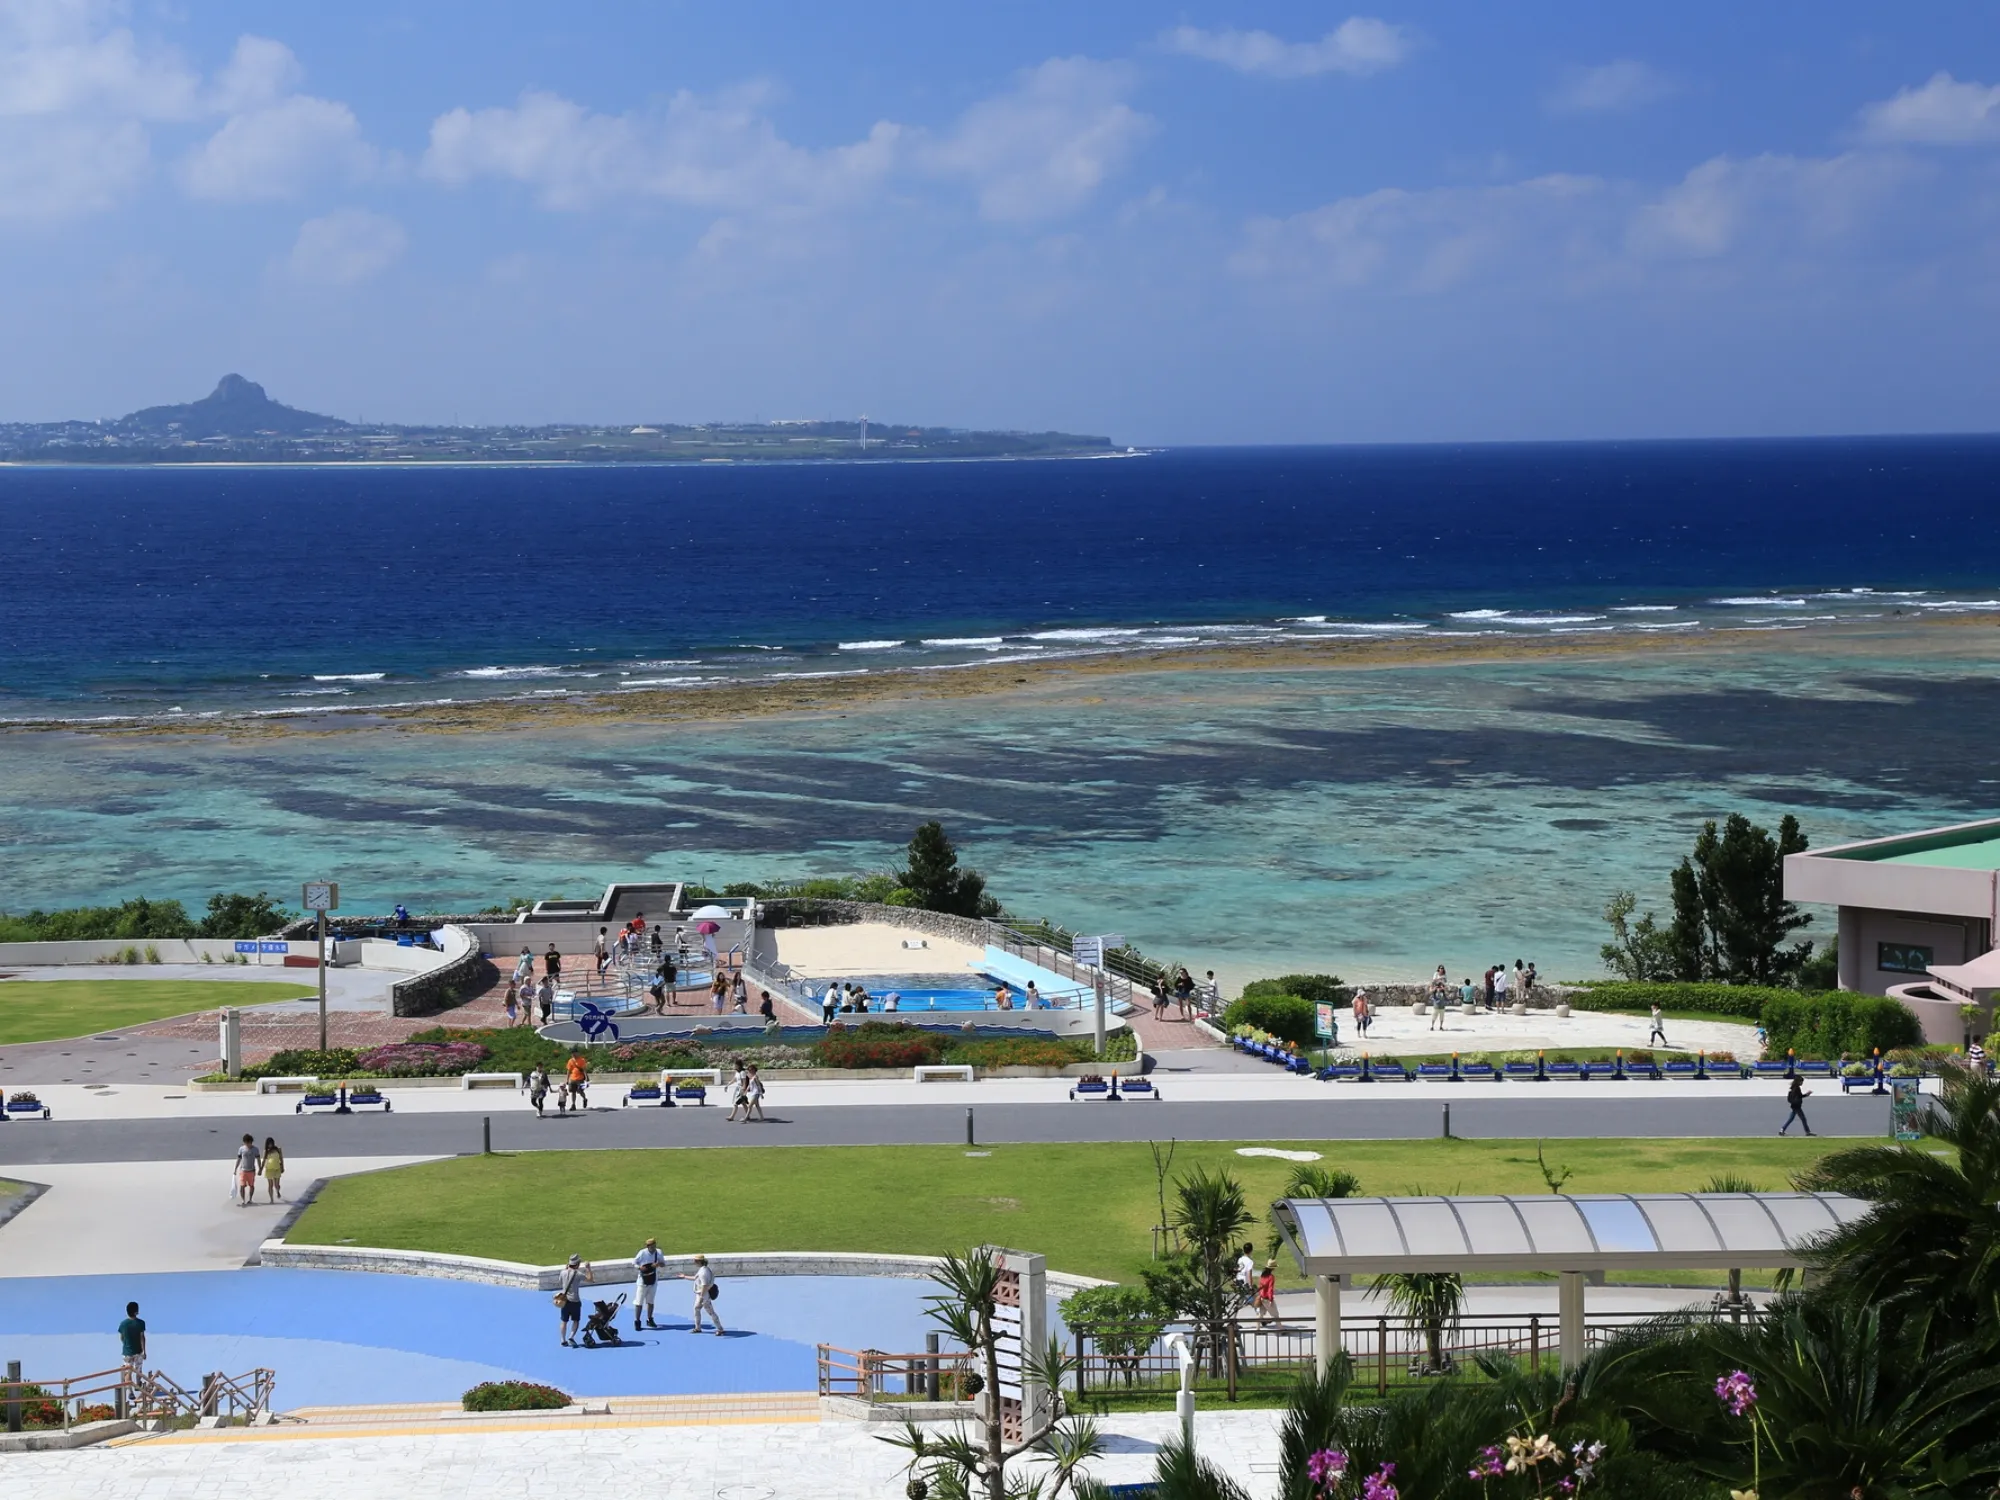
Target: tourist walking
x=647 y=1262
x=769 y=1011
x=739 y=994
x=1437 y=1009
x=753 y=1091
x=1033 y=999
x=1975 y=1058
x=524 y=966
x=1501 y=984
x=1246 y=1273
x=538 y=1087
x=545 y=998
x=1468 y=995
x=274 y=1171
x=1184 y=993
x=1659 y=1031
x=552 y=962
x=1364 y=1013
x=578 y=1089
x=604 y=950
x=1266 y=1305
x=246 y=1172
x=132 y=1343
x=829 y=1005
x=739 y=1091
x=1486 y=985
x=664 y=983
x=569 y=1298
x=512 y=1004
x=705 y=1293
x=1796 y=1096
x=718 y=992
x=1524 y=982
x=1211 y=993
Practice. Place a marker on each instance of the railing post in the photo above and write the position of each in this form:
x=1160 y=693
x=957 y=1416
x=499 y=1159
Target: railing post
x=1535 y=1343
x=931 y=1367
x=13 y=1395
x=1381 y=1356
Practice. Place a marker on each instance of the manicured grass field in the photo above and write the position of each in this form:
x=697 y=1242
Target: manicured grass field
x=48 y=1011
x=1089 y=1208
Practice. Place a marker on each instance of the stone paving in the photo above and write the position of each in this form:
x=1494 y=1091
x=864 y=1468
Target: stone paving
x=799 y=1460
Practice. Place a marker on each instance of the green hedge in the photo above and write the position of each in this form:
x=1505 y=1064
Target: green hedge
x=1821 y=1025
x=1313 y=988
x=1289 y=1017
x=513 y=1395
x=1836 y=1022
x=1744 y=1001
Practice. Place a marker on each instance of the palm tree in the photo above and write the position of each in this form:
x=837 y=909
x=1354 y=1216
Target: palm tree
x=1210 y=1216
x=1931 y=1248
x=1431 y=1300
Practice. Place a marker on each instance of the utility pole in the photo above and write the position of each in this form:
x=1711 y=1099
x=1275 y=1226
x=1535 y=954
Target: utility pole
x=321 y=897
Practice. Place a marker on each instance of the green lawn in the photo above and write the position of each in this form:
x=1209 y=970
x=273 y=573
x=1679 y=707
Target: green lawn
x=1089 y=1208
x=48 y=1011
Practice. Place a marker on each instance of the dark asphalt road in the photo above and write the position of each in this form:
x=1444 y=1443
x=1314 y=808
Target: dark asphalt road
x=1541 y=1112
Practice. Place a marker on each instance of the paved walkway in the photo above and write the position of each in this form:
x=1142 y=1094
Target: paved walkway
x=798 y=1460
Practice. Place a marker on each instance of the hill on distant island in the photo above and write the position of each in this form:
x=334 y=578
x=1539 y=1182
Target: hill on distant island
x=235 y=408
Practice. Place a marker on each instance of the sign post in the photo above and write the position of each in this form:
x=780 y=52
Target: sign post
x=1905 y=1104
x=1325 y=1027
x=321 y=896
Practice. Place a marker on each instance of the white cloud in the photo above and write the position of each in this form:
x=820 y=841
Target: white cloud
x=1609 y=88
x=718 y=154
x=1729 y=202
x=274 y=142
x=1045 y=147
x=1357 y=46
x=1427 y=240
x=344 y=247
x=1944 y=112
x=76 y=98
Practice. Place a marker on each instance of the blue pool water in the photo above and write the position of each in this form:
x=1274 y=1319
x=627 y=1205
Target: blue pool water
x=344 y=1337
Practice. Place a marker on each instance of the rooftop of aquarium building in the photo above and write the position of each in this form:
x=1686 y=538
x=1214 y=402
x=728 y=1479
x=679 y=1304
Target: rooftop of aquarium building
x=1966 y=846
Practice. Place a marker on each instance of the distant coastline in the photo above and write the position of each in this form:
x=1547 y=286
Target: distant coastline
x=823 y=693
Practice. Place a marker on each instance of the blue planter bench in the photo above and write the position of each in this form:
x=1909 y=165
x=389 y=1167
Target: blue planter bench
x=1389 y=1072
x=1866 y=1082
x=1434 y=1072
x=1600 y=1070
x=1643 y=1070
x=1521 y=1070
x=1771 y=1069
x=30 y=1109
x=368 y=1099
x=1565 y=1070
x=1725 y=1070
x=699 y=1096
x=1814 y=1070
x=646 y=1093
x=1090 y=1086
x=1140 y=1086
x=1478 y=1072
x=1679 y=1070
x=1340 y=1073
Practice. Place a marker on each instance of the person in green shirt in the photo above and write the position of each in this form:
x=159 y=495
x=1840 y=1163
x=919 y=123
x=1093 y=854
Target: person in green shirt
x=132 y=1341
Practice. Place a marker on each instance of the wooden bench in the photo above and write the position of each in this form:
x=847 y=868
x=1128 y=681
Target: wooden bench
x=491 y=1081
x=963 y=1072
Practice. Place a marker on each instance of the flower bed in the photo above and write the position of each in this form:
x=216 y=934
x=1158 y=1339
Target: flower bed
x=421 y=1059
x=514 y=1395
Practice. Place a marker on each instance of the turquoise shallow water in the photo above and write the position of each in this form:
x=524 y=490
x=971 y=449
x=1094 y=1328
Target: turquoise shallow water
x=1375 y=822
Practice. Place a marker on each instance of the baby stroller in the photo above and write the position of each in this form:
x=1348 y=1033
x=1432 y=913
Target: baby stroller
x=602 y=1327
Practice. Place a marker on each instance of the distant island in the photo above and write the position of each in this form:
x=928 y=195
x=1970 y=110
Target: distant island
x=238 y=423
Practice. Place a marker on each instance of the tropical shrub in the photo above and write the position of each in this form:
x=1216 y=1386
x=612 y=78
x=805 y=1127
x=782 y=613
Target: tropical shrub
x=1742 y=1000
x=307 y=1062
x=513 y=1395
x=1290 y=1017
x=1836 y=1022
x=878 y=1044
x=421 y=1059
x=1316 y=988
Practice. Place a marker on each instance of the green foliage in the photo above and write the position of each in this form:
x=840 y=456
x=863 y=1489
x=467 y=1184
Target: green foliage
x=934 y=878
x=1744 y=1001
x=1638 y=950
x=1731 y=917
x=137 y=918
x=878 y=1044
x=1288 y=1017
x=236 y=915
x=1210 y=1216
x=307 y=1062
x=1122 y=1321
x=1821 y=971
x=1836 y=1022
x=1316 y=989
x=514 y=1395
x=1431 y=1300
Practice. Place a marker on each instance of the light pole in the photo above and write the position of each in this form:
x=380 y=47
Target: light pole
x=321 y=897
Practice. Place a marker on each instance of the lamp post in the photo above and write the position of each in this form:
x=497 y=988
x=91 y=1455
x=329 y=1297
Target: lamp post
x=321 y=897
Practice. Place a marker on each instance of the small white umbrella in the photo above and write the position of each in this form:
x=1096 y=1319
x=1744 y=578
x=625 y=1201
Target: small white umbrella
x=712 y=914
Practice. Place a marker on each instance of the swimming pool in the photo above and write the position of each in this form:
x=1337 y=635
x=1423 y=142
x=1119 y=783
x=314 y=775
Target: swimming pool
x=921 y=993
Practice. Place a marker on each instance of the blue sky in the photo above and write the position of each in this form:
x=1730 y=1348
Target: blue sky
x=1239 y=222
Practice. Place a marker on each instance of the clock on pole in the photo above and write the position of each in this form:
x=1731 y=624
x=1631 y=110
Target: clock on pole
x=321 y=897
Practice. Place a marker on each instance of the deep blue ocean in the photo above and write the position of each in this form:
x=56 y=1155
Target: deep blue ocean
x=292 y=589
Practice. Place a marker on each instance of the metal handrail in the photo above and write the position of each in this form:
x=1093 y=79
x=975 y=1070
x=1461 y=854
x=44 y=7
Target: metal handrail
x=147 y=1396
x=865 y=1373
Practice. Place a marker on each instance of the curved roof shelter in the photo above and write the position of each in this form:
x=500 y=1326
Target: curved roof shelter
x=1579 y=1232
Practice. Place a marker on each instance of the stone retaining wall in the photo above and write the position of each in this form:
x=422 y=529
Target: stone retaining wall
x=788 y=911
x=449 y=983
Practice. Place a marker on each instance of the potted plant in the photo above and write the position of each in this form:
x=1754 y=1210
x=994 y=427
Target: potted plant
x=690 y=1088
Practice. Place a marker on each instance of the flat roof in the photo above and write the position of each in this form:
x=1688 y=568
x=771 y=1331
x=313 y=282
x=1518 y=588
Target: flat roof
x=1561 y=1232
x=1964 y=846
